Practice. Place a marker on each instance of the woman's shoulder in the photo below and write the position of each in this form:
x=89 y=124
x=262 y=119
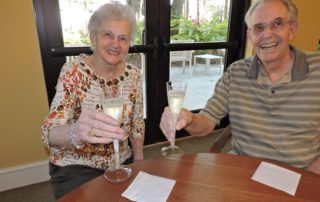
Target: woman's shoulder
x=77 y=64
x=134 y=70
x=75 y=68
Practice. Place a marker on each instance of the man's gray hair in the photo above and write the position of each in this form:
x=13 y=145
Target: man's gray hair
x=292 y=10
x=112 y=11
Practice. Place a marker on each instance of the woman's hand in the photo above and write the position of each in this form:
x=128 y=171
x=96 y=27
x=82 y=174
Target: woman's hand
x=96 y=127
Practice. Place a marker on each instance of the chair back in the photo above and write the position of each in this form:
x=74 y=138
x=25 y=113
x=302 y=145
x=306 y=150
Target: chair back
x=222 y=140
x=185 y=55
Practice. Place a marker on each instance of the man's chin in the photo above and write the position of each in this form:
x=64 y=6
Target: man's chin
x=266 y=58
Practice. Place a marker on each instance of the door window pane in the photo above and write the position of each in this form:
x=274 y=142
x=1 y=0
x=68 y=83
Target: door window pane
x=75 y=16
x=138 y=59
x=201 y=74
x=200 y=21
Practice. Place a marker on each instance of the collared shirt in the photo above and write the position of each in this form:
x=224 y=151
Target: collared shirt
x=279 y=121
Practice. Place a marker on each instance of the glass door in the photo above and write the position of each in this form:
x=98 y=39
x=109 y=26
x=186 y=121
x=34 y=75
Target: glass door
x=198 y=22
x=185 y=40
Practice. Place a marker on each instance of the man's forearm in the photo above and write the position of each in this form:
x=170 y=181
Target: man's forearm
x=315 y=166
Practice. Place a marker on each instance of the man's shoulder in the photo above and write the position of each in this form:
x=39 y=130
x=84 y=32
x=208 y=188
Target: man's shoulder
x=244 y=63
x=312 y=54
x=313 y=59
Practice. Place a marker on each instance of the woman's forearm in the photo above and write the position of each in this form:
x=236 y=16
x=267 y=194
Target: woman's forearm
x=60 y=136
x=137 y=147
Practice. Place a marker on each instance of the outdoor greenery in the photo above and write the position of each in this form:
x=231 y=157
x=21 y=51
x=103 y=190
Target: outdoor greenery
x=77 y=37
x=182 y=27
x=139 y=34
x=202 y=31
x=80 y=37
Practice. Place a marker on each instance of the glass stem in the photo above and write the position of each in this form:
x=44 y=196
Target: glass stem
x=116 y=153
x=174 y=123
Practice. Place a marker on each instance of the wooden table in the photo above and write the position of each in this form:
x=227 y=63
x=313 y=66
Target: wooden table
x=203 y=177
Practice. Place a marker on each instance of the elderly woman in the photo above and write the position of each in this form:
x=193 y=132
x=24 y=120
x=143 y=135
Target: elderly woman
x=78 y=134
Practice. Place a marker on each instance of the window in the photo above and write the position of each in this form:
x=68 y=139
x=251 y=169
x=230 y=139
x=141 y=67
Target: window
x=207 y=34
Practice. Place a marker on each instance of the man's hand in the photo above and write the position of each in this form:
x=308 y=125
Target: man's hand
x=166 y=126
x=315 y=166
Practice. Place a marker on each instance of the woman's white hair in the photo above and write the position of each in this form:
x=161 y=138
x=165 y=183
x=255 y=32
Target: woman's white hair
x=112 y=11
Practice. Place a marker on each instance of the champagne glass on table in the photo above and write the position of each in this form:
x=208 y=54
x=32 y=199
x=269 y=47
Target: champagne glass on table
x=176 y=91
x=112 y=104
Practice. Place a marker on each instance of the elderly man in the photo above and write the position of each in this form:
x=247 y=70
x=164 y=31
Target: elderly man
x=272 y=98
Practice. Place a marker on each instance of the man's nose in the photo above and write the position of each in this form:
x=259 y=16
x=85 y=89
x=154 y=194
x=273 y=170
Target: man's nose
x=267 y=31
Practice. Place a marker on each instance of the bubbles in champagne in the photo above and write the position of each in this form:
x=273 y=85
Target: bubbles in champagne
x=175 y=99
x=113 y=109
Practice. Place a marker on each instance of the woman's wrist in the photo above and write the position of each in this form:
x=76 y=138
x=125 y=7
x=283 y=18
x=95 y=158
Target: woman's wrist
x=74 y=137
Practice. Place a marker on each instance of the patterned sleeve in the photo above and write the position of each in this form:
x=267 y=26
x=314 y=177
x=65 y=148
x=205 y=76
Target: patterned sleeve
x=62 y=106
x=138 y=126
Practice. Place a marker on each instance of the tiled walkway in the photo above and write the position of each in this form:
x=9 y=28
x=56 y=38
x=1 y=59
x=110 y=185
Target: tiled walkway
x=200 y=85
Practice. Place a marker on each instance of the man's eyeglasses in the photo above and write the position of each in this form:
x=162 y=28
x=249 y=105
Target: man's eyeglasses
x=275 y=25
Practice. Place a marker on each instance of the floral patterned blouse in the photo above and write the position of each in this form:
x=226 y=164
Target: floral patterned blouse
x=78 y=86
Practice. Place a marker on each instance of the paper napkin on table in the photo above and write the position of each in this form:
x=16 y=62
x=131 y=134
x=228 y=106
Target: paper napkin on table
x=146 y=188
x=277 y=177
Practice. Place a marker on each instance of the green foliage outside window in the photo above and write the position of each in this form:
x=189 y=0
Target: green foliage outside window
x=202 y=31
x=81 y=37
x=76 y=38
x=138 y=37
x=181 y=29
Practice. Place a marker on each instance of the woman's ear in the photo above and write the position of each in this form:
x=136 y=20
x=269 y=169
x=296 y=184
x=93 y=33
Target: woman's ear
x=93 y=41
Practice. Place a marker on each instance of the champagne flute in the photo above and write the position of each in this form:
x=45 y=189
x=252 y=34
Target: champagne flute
x=176 y=91
x=112 y=104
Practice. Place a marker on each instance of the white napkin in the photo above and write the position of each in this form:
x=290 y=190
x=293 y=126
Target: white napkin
x=277 y=177
x=146 y=187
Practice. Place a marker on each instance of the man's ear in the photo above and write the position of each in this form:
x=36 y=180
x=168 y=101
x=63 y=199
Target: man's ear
x=249 y=35
x=293 y=29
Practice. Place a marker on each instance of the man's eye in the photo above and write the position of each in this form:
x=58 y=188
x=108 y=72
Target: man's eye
x=107 y=34
x=277 y=23
x=259 y=27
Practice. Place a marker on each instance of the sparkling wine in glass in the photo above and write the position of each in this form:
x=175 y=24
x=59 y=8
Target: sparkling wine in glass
x=112 y=104
x=176 y=91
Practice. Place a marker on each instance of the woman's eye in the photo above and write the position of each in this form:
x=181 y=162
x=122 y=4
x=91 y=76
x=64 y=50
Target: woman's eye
x=124 y=39
x=108 y=35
